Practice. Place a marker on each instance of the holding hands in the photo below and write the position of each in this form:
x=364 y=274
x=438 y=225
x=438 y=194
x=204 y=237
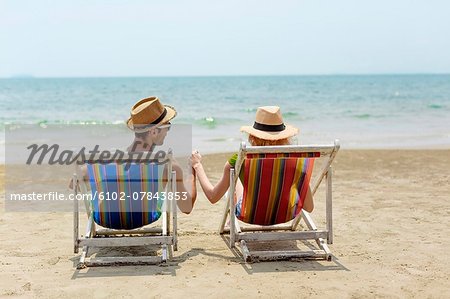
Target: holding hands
x=212 y=192
x=196 y=159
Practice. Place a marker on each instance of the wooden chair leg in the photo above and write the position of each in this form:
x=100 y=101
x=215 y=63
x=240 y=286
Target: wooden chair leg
x=232 y=210
x=174 y=212
x=225 y=214
x=75 y=214
x=164 y=253
x=329 y=207
x=81 y=263
x=246 y=252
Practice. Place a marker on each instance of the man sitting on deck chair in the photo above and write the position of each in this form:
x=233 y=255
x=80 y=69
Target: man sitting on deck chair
x=150 y=121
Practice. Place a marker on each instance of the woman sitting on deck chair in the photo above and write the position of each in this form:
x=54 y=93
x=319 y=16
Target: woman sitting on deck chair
x=268 y=130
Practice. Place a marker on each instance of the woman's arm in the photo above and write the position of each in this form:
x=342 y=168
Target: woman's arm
x=308 y=205
x=213 y=193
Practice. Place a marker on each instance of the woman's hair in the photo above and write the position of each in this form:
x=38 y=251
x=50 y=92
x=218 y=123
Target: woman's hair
x=255 y=141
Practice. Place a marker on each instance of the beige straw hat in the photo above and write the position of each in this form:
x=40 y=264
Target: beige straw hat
x=148 y=113
x=269 y=125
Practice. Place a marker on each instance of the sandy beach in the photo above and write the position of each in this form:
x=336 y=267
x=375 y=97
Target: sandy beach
x=391 y=214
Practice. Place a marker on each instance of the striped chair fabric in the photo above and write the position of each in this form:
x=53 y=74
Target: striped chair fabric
x=275 y=187
x=120 y=186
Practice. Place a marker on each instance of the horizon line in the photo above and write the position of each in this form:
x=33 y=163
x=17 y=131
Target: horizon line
x=29 y=76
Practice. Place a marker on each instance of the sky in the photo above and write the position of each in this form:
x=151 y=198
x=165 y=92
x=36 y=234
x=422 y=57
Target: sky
x=213 y=38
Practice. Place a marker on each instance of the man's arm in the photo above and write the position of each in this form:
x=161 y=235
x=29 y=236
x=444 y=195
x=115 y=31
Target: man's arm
x=187 y=204
x=85 y=173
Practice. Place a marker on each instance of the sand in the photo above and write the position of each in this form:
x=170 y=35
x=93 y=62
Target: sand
x=391 y=215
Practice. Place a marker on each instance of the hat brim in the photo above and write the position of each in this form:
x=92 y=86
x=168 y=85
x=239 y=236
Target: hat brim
x=171 y=113
x=288 y=132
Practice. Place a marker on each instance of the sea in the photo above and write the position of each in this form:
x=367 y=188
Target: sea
x=362 y=111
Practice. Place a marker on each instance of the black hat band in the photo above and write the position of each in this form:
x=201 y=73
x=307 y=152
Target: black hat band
x=269 y=128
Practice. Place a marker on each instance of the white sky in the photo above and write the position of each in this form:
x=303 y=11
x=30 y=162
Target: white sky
x=233 y=37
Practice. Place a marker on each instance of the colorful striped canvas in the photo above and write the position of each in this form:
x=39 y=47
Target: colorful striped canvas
x=275 y=187
x=115 y=190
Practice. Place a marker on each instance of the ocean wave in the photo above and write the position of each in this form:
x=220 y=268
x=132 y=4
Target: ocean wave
x=45 y=122
x=59 y=122
x=362 y=116
x=368 y=115
x=290 y=114
x=211 y=122
x=434 y=106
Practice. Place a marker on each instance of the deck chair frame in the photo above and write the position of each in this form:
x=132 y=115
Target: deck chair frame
x=287 y=231
x=154 y=234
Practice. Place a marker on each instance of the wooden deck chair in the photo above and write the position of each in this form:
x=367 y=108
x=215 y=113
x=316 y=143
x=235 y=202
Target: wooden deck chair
x=275 y=181
x=126 y=196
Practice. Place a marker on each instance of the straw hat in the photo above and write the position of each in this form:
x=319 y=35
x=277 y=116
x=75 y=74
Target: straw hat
x=148 y=113
x=269 y=125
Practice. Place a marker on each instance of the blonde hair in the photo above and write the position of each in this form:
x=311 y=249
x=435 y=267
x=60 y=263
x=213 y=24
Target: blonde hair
x=255 y=141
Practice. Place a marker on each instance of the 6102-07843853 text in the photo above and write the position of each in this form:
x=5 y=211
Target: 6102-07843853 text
x=107 y=196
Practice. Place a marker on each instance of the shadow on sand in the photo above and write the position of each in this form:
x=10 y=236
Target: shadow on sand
x=174 y=263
